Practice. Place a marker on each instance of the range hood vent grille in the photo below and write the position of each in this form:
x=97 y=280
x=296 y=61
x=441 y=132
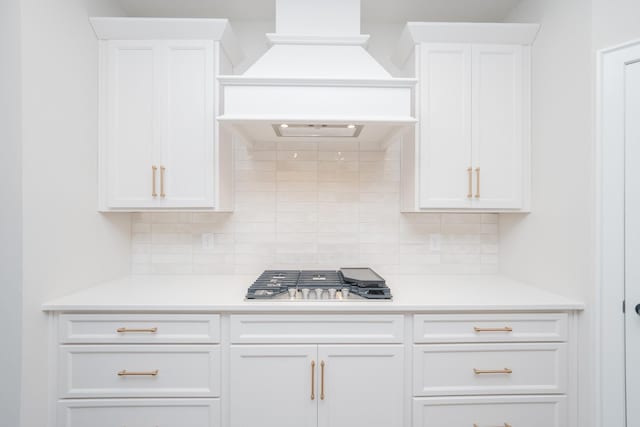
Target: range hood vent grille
x=313 y=130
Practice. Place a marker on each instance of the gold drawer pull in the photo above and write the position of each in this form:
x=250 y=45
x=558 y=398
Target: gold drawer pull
x=313 y=380
x=126 y=330
x=470 y=175
x=501 y=425
x=162 y=171
x=505 y=329
x=125 y=373
x=477 y=183
x=322 y=380
x=492 y=371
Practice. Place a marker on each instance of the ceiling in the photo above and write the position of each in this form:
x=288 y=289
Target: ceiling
x=372 y=10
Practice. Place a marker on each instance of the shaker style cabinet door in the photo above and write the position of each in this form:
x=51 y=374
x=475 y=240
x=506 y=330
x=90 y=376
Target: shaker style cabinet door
x=188 y=135
x=157 y=125
x=361 y=386
x=273 y=386
x=132 y=88
x=497 y=126
x=445 y=125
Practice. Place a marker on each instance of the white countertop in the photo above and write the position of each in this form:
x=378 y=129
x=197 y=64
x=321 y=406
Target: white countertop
x=224 y=293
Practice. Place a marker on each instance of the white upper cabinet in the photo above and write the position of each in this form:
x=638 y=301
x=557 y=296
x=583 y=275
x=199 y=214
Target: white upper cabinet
x=160 y=145
x=470 y=150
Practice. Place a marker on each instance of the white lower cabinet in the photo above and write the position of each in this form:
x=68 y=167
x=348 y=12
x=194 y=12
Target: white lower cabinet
x=138 y=370
x=491 y=411
x=315 y=370
x=134 y=413
x=325 y=385
x=492 y=370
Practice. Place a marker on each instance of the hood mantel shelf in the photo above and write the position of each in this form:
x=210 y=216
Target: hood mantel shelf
x=317 y=72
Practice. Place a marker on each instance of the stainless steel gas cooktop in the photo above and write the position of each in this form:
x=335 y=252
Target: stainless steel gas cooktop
x=320 y=285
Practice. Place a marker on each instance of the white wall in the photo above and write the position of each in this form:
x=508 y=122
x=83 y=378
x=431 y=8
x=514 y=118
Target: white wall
x=554 y=246
x=67 y=244
x=615 y=22
x=10 y=214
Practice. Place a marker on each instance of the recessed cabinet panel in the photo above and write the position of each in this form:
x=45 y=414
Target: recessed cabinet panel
x=445 y=126
x=493 y=411
x=134 y=412
x=132 y=126
x=459 y=369
x=189 y=137
x=361 y=385
x=497 y=117
x=139 y=371
x=273 y=386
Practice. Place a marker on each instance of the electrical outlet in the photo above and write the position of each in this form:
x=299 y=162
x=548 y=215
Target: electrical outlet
x=435 y=242
x=208 y=241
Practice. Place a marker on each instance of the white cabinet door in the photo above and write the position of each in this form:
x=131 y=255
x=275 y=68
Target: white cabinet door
x=132 y=122
x=188 y=134
x=497 y=126
x=361 y=386
x=273 y=386
x=445 y=126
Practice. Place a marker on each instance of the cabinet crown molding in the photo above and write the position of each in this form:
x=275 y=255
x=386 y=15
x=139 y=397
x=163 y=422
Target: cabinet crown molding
x=108 y=28
x=462 y=32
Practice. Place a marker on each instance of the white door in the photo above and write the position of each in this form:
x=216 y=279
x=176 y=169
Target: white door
x=272 y=386
x=132 y=123
x=445 y=126
x=632 y=240
x=361 y=386
x=497 y=126
x=187 y=175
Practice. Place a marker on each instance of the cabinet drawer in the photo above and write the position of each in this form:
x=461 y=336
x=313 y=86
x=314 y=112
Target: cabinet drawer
x=516 y=411
x=139 y=371
x=316 y=329
x=490 y=328
x=144 y=412
x=441 y=370
x=138 y=328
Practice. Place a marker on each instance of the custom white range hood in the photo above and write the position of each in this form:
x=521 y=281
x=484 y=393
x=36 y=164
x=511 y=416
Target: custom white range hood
x=317 y=81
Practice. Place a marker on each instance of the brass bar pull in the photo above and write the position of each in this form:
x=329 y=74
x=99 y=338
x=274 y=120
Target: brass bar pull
x=322 y=380
x=126 y=330
x=313 y=380
x=162 y=171
x=501 y=425
x=154 y=169
x=470 y=174
x=492 y=371
x=505 y=329
x=477 y=183
x=125 y=373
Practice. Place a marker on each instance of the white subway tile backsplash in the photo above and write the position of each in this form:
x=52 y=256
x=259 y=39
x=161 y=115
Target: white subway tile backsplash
x=314 y=205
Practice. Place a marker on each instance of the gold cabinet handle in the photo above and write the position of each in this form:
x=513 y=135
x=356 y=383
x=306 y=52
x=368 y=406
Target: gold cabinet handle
x=154 y=169
x=470 y=175
x=492 y=371
x=125 y=373
x=127 y=330
x=162 y=171
x=501 y=425
x=505 y=329
x=322 y=380
x=477 y=183
x=313 y=380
